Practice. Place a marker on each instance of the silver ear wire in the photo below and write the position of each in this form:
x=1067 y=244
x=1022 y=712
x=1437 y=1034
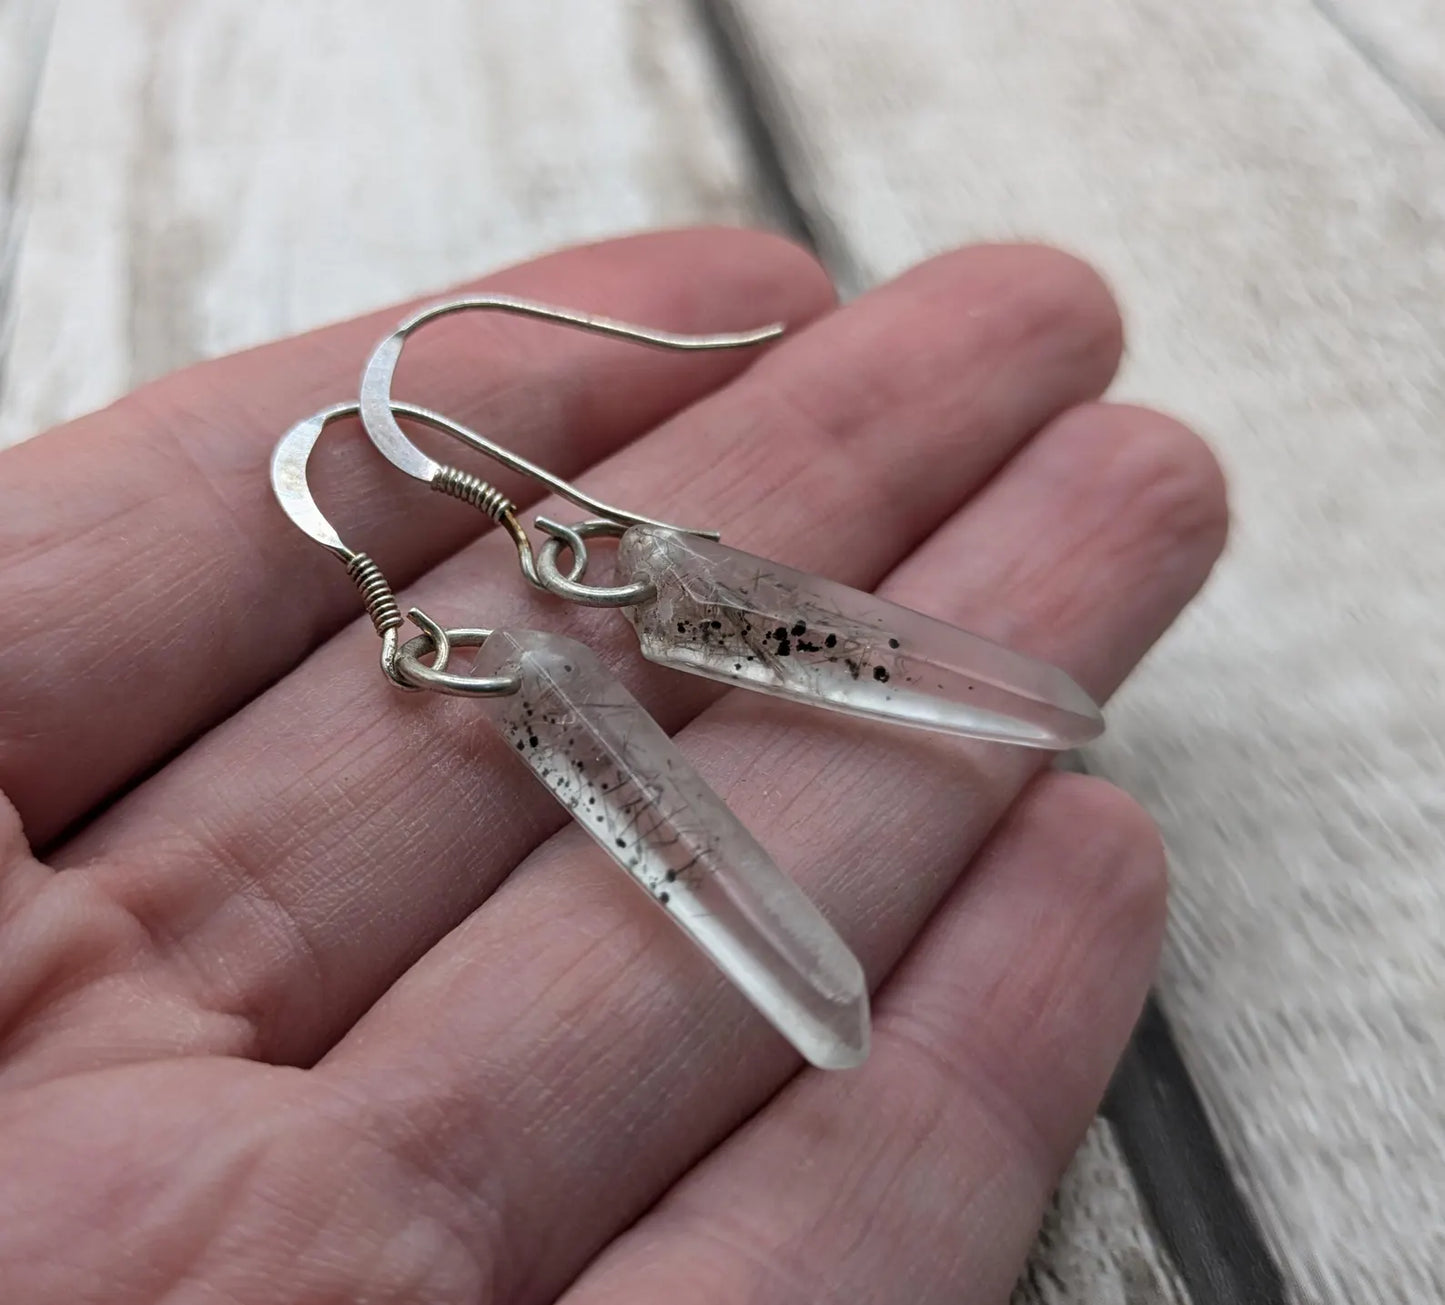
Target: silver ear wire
x=378 y=411
x=379 y=415
x=401 y=664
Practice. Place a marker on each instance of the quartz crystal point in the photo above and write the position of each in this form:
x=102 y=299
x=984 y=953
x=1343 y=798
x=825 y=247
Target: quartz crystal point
x=748 y=621
x=625 y=782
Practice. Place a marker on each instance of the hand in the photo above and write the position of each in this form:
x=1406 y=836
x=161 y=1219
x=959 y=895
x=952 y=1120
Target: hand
x=318 y=997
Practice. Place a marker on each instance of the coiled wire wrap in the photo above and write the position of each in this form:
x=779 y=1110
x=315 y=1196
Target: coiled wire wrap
x=472 y=489
x=402 y=665
x=376 y=594
x=487 y=498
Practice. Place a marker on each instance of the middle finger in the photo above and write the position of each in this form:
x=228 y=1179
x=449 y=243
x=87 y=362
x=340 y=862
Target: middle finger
x=300 y=857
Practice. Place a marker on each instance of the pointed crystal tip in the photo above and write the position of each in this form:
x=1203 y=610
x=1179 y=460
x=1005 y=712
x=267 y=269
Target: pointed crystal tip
x=838 y=1040
x=614 y=768
x=1067 y=715
x=744 y=620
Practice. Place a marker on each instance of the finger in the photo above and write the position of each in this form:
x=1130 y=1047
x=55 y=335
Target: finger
x=586 y=1069
x=914 y=1179
x=280 y=876
x=923 y=1176
x=154 y=582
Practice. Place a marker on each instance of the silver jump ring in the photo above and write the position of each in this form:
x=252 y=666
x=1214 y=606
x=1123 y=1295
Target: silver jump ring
x=572 y=538
x=421 y=676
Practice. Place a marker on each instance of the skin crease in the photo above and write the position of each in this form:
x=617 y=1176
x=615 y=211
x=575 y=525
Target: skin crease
x=316 y=998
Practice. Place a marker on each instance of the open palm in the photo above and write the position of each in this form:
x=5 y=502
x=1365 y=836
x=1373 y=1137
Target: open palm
x=316 y=998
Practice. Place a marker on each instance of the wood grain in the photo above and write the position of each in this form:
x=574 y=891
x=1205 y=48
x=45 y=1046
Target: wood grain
x=24 y=36
x=1096 y=1245
x=1405 y=41
x=1273 y=215
x=202 y=177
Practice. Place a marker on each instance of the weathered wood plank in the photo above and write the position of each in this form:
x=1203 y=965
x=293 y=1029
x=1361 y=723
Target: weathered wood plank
x=24 y=34
x=1272 y=213
x=1405 y=40
x=203 y=177
x=1096 y=1245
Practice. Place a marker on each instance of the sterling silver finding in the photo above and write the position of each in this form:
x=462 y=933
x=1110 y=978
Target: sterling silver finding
x=700 y=606
x=623 y=780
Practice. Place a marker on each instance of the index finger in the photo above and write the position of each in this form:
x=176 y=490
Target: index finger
x=155 y=586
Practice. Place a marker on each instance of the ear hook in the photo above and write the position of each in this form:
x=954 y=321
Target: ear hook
x=293 y=491
x=379 y=413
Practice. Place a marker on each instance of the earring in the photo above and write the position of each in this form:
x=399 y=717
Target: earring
x=619 y=775
x=698 y=605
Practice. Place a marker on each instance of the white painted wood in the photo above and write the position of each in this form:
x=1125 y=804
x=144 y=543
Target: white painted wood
x=1272 y=213
x=24 y=33
x=1405 y=39
x=1096 y=1245
x=204 y=176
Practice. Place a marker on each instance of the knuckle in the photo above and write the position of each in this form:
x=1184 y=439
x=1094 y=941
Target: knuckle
x=1156 y=478
x=1123 y=883
x=1053 y=291
x=1177 y=481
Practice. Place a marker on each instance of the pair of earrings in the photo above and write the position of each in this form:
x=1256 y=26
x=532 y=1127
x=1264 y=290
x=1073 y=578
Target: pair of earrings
x=700 y=606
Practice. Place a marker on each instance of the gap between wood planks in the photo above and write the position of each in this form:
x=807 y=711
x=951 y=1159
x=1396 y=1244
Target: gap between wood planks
x=1209 y=1232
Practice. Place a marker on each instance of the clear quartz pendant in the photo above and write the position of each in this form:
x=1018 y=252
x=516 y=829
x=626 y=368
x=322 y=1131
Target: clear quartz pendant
x=623 y=779
x=752 y=622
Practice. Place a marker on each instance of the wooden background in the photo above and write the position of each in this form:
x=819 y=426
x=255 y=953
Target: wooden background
x=1264 y=182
